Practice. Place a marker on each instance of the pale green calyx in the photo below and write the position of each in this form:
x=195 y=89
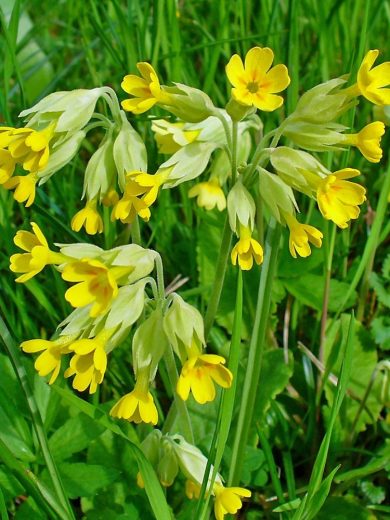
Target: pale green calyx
x=188 y=103
x=100 y=174
x=276 y=194
x=241 y=207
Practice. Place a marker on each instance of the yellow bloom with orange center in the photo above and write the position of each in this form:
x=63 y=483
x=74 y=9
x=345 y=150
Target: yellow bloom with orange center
x=368 y=140
x=255 y=82
x=141 y=191
x=50 y=359
x=198 y=375
x=371 y=81
x=137 y=406
x=24 y=186
x=246 y=250
x=300 y=237
x=89 y=362
x=338 y=199
x=209 y=194
x=146 y=89
x=7 y=166
x=95 y=283
x=38 y=254
x=228 y=500
x=88 y=217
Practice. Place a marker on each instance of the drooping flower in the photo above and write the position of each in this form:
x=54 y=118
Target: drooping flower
x=300 y=237
x=170 y=137
x=256 y=83
x=246 y=250
x=137 y=406
x=209 y=194
x=141 y=191
x=199 y=374
x=50 y=359
x=338 y=199
x=30 y=147
x=95 y=283
x=38 y=254
x=89 y=362
x=146 y=89
x=371 y=81
x=368 y=140
x=192 y=489
x=88 y=217
x=7 y=166
x=228 y=500
x=24 y=186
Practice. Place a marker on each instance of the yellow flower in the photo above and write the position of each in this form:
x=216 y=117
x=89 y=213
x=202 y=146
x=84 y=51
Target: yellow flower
x=141 y=191
x=256 y=83
x=192 y=489
x=228 y=500
x=96 y=283
x=371 y=81
x=210 y=194
x=146 y=90
x=338 y=199
x=30 y=147
x=24 y=186
x=300 y=236
x=170 y=137
x=246 y=250
x=140 y=481
x=89 y=362
x=137 y=406
x=50 y=359
x=198 y=375
x=368 y=140
x=88 y=217
x=7 y=166
x=110 y=198
x=38 y=254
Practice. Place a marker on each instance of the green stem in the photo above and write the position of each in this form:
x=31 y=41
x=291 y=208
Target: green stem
x=256 y=350
x=325 y=299
x=135 y=232
x=181 y=408
x=160 y=277
x=234 y=151
x=36 y=417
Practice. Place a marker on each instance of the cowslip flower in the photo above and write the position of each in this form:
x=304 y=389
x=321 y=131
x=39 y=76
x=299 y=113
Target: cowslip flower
x=192 y=489
x=199 y=374
x=246 y=250
x=300 y=237
x=368 y=141
x=137 y=406
x=38 y=254
x=88 y=217
x=228 y=500
x=256 y=83
x=141 y=191
x=95 y=283
x=49 y=361
x=170 y=137
x=209 y=194
x=7 y=166
x=89 y=362
x=338 y=199
x=146 y=90
x=371 y=81
x=24 y=186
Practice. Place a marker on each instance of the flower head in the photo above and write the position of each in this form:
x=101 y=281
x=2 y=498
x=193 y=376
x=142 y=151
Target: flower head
x=368 y=140
x=50 y=359
x=38 y=254
x=199 y=374
x=300 y=237
x=372 y=80
x=338 y=199
x=146 y=90
x=24 y=186
x=228 y=500
x=95 y=283
x=170 y=137
x=88 y=217
x=141 y=191
x=30 y=147
x=137 y=406
x=209 y=194
x=7 y=165
x=89 y=362
x=256 y=83
x=246 y=250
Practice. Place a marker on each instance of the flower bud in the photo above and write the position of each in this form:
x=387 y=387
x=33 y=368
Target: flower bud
x=241 y=207
x=149 y=344
x=100 y=173
x=238 y=111
x=188 y=103
x=276 y=194
x=168 y=466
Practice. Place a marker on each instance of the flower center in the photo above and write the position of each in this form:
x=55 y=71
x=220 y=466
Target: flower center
x=253 y=87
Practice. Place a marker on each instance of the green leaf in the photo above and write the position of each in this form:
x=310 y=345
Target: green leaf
x=288 y=506
x=316 y=501
x=380 y=328
x=381 y=288
x=339 y=508
x=274 y=376
x=83 y=480
x=74 y=436
x=375 y=494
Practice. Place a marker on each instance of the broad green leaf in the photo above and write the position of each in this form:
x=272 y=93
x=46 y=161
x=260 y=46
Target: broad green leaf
x=375 y=494
x=339 y=508
x=83 y=480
